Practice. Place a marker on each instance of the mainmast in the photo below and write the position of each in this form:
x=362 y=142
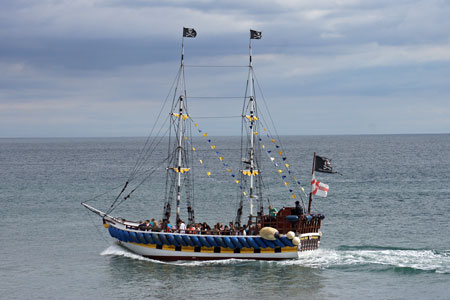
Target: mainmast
x=252 y=132
x=250 y=166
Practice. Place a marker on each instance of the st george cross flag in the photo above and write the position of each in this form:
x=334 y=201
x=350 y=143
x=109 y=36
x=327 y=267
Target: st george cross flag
x=256 y=35
x=322 y=164
x=318 y=188
x=189 y=32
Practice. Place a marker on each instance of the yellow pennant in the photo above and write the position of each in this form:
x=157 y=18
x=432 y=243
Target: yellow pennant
x=294 y=196
x=220 y=157
x=287 y=166
x=213 y=147
x=209 y=173
x=193 y=148
x=205 y=134
x=280 y=171
x=196 y=125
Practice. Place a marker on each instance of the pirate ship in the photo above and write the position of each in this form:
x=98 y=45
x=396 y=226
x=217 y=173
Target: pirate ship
x=260 y=235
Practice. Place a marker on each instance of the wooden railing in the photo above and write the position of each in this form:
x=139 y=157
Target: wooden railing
x=283 y=225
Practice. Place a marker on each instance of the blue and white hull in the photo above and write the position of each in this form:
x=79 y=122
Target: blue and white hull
x=177 y=246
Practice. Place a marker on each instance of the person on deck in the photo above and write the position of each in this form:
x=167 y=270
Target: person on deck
x=191 y=229
x=144 y=225
x=206 y=228
x=231 y=226
x=272 y=211
x=298 y=209
x=216 y=230
x=226 y=230
x=154 y=225
x=182 y=227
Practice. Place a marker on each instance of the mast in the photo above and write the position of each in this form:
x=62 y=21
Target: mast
x=179 y=163
x=252 y=132
x=312 y=177
x=249 y=163
x=180 y=133
x=179 y=155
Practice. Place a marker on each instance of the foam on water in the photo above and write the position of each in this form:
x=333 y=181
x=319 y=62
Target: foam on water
x=392 y=259
x=421 y=260
x=116 y=250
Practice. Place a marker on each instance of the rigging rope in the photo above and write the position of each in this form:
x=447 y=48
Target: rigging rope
x=219 y=117
x=139 y=162
x=215 y=66
x=219 y=156
x=138 y=185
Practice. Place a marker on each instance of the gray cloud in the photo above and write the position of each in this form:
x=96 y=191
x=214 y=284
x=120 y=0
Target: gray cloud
x=81 y=68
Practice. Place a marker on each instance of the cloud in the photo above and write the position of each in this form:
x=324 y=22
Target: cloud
x=81 y=60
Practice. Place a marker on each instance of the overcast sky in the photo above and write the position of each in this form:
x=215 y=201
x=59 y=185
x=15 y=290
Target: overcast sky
x=82 y=68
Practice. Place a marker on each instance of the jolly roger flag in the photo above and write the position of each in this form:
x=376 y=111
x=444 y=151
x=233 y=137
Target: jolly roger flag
x=256 y=35
x=189 y=32
x=322 y=164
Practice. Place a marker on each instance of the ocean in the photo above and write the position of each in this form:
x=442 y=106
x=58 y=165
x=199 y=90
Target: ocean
x=385 y=235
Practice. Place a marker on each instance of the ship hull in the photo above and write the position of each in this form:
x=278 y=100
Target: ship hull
x=176 y=246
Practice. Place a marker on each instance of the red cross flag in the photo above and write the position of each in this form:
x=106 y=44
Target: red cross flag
x=318 y=188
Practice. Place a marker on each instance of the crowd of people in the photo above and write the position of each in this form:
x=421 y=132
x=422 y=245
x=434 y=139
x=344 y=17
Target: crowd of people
x=199 y=228
x=204 y=228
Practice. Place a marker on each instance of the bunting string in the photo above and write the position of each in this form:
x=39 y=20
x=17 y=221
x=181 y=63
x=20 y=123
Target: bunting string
x=283 y=168
x=219 y=156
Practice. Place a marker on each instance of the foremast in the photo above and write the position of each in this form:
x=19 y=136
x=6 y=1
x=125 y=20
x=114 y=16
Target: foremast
x=179 y=163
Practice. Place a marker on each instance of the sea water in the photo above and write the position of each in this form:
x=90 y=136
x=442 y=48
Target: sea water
x=385 y=236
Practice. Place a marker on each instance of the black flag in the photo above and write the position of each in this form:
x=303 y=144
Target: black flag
x=256 y=35
x=322 y=164
x=189 y=32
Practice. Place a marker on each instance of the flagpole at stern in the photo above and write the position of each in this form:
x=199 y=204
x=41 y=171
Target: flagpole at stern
x=312 y=177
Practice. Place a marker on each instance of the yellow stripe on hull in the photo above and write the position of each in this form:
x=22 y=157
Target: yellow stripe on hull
x=219 y=249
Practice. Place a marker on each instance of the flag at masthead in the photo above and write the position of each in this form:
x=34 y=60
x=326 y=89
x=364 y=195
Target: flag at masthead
x=189 y=32
x=256 y=35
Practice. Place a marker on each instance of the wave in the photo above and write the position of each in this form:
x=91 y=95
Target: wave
x=117 y=250
x=368 y=258
x=378 y=259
